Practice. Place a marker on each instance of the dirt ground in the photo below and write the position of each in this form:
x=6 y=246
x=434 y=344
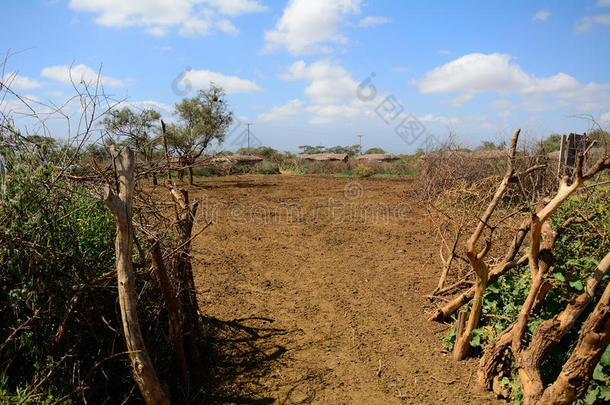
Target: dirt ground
x=317 y=286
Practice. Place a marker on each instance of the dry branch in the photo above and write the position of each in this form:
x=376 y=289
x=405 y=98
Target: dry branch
x=120 y=206
x=462 y=344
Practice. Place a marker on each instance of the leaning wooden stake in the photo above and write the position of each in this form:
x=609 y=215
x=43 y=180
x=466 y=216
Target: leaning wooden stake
x=120 y=206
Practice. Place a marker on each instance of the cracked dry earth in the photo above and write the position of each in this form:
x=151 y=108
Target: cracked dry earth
x=316 y=289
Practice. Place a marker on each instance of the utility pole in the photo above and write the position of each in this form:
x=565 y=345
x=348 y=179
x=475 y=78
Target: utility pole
x=360 y=136
x=248 y=124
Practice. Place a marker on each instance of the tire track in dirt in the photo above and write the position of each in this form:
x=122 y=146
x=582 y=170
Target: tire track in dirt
x=348 y=290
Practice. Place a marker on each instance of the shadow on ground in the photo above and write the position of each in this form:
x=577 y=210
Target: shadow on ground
x=241 y=354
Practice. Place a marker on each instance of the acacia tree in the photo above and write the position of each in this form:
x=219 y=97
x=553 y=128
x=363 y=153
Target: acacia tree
x=201 y=120
x=134 y=130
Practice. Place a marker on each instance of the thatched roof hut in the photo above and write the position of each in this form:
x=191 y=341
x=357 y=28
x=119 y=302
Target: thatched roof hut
x=378 y=157
x=326 y=157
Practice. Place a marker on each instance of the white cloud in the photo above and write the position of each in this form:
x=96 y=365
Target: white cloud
x=195 y=27
x=145 y=104
x=78 y=74
x=541 y=15
x=330 y=83
x=292 y=108
x=505 y=114
x=588 y=23
x=372 y=21
x=310 y=26
x=444 y=52
x=590 y=107
x=227 y=27
x=191 y=18
x=327 y=113
x=605 y=118
x=332 y=92
x=231 y=84
x=502 y=104
x=119 y=13
x=17 y=82
x=478 y=73
x=449 y=121
x=235 y=8
x=603 y=3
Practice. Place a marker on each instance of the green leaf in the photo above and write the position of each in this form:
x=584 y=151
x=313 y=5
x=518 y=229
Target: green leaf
x=576 y=284
x=604 y=392
x=492 y=288
x=598 y=373
x=591 y=396
x=605 y=360
x=559 y=276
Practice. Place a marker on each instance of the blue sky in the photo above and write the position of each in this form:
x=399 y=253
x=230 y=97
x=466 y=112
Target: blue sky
x=294 y=69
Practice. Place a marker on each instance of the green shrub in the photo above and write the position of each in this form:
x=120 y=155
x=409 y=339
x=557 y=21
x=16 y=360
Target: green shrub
x=363 y=170
x=55 y=238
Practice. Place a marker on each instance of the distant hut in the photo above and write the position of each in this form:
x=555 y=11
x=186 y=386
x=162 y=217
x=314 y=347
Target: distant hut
x=326 y=157
x=378 y=157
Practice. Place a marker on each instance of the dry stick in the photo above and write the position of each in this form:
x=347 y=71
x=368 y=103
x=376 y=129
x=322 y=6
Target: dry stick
x=451 y=287
x=173 y=310
x=509 y=262
x=120 y=206
x=462 y=345
x=447 y=262
x=74 y=301
x=169 y=170
x=17 y=329
x=576 y=373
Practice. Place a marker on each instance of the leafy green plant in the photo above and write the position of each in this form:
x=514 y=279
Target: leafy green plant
x=55 y=238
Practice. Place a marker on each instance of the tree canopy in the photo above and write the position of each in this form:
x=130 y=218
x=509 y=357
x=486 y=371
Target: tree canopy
x=201 y=120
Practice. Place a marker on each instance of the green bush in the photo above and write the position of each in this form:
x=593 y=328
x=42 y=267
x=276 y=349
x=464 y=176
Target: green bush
x=55 y=238
x=363 y=170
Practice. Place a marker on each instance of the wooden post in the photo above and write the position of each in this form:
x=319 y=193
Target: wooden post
x=173 y=311
x=461 y=324
x=562 y=156
x=570 y=148
x=169 y=170
x=120 y=206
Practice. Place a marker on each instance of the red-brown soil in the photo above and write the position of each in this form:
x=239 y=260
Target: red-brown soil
x=322 y=305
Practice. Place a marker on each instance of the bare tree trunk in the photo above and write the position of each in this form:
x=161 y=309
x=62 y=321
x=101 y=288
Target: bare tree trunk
x=173 y=310
x=184 y=273
x=143 y=370
x=191 y=175
x=577 y=371
x=169 y=170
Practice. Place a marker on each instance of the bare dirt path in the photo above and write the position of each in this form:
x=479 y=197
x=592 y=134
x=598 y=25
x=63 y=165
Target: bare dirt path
x=319 y=285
